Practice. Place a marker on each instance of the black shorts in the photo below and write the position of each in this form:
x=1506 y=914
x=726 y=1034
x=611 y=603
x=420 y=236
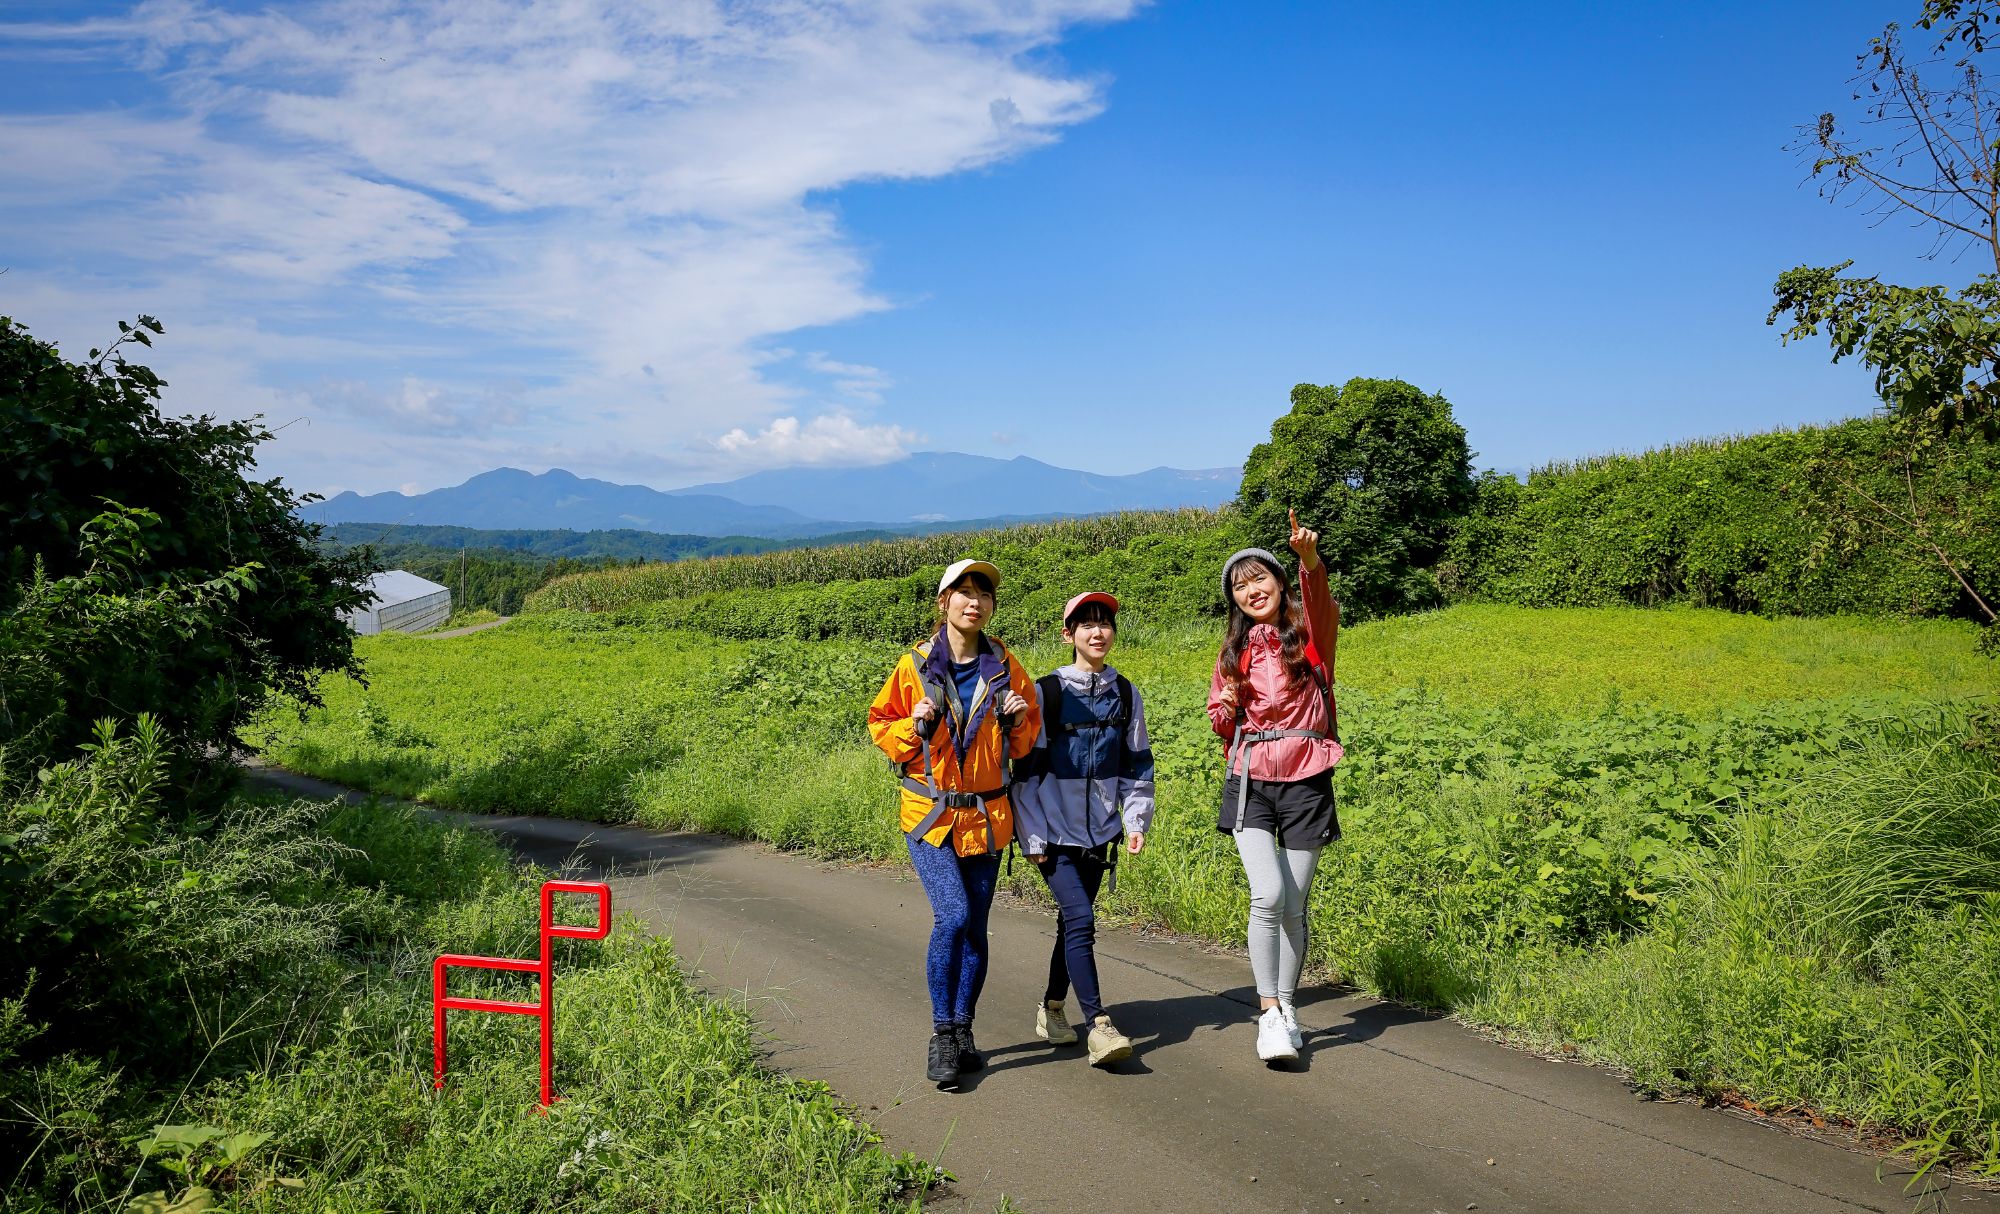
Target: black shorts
x=1299 y=812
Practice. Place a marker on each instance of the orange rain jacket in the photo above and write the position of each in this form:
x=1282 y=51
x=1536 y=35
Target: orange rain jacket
x=892 y=728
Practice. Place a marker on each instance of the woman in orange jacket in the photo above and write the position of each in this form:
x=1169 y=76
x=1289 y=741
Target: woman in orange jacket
x=953 y=713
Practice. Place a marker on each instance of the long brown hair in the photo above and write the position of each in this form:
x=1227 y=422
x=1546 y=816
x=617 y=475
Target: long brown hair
x=1292 y=634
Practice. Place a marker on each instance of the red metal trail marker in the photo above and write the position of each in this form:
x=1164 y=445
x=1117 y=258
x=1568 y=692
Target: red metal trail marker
x=545 y=1007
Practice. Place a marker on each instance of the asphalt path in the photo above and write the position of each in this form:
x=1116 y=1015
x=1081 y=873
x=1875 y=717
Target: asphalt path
x=1387 y=1109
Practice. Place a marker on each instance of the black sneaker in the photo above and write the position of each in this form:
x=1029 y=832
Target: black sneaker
x=943 y=1060
x=968 y=1053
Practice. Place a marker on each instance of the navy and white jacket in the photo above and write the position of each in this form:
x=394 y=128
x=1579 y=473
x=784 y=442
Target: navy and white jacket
x=1095 y=783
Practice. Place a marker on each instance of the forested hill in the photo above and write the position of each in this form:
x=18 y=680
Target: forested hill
x=624 y=544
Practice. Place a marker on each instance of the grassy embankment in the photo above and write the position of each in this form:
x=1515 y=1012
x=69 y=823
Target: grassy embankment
x=1723 y=851
x=272 y=1046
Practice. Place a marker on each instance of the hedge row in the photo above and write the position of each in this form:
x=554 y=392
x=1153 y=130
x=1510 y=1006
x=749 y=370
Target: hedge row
x=1774 y=523
x=1013 y=548
x=1155 y=578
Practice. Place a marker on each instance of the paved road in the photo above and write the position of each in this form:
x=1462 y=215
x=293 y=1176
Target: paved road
x=1388 y=1110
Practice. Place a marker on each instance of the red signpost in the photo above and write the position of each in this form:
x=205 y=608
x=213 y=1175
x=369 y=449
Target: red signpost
x=544 y=1007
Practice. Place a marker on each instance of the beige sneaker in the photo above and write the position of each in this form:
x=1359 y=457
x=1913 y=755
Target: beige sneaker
x=1107 y=1044
x=1052 y=1026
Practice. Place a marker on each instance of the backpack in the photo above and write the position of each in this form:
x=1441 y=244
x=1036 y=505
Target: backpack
x=1057 y=729
x=940 y=799
x=1052 y=723
x=1242 y=741
x=1320 y=676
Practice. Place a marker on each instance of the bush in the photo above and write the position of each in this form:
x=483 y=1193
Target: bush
x=84 y=441
x=1742 y=524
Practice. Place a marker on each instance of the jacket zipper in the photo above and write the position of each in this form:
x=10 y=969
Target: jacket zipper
x=1090 y=778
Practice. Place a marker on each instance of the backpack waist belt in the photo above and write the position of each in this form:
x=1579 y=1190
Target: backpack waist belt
x=943 y=799
x=1241 y=745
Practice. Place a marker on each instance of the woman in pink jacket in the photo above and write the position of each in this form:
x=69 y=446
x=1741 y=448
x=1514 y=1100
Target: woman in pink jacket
x=1272 y=700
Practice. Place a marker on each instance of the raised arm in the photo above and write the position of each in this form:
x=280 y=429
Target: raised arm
x=1322 y=613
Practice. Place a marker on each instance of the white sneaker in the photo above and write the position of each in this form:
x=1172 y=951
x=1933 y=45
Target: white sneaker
x=1274 y=1042
x=1291 y=1015
x=1052 y=1026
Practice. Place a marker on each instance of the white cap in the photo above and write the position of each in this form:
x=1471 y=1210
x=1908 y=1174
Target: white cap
x=959 y=569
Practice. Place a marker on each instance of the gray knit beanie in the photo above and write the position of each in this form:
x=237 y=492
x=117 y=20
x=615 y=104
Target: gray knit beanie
x=1230 y=564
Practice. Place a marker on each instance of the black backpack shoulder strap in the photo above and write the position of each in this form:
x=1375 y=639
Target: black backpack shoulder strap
x=1124 y=704
x=1052 y=698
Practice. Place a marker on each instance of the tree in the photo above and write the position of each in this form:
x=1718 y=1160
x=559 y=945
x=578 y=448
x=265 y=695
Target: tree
x=1381 y=470
x=1926 y=146
x=146 y=572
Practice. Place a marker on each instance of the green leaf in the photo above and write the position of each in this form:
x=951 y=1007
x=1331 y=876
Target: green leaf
x=236 y=1146
x=186 y=1137
x=195 y=1200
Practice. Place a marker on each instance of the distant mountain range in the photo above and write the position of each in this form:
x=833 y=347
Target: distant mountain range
x=918 y=492
x=934 y=486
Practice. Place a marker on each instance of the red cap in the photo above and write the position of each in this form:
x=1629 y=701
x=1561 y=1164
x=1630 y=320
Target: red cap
x=1088 y=596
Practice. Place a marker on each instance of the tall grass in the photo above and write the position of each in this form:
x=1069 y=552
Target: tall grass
x=256 y=1037
x=1837 y=949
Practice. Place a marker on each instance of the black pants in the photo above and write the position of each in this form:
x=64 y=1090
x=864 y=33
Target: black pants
x=1073 y=875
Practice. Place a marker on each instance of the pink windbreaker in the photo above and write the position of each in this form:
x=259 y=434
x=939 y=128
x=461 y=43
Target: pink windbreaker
x=1278 y=703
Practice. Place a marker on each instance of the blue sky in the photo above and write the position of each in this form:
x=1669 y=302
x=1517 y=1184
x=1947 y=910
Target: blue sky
x=679 y=242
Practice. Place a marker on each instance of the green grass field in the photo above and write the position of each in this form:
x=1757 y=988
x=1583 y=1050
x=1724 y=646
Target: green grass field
x=1565 y=823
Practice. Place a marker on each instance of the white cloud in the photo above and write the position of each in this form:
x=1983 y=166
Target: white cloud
x=854 y=380
x=833 y=438
x=594 y=210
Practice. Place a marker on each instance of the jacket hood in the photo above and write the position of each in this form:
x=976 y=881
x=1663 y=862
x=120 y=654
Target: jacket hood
x=1077 y=679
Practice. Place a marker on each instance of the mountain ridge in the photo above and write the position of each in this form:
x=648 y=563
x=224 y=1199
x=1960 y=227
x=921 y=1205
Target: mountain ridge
x=919 y=491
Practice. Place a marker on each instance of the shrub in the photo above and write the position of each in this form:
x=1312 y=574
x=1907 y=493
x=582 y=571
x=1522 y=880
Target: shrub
x=81 y=440
x=1736 y=523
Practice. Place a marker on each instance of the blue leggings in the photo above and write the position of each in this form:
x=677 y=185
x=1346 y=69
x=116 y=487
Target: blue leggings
x=961 y=892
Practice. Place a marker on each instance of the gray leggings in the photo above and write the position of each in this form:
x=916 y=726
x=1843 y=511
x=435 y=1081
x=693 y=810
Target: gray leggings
x=1280 y=879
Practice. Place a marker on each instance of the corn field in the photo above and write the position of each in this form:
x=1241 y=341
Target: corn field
x=664 y=581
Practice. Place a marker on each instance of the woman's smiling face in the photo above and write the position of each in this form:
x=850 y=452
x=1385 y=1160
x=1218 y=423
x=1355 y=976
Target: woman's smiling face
x=1256 y=591
x=968 y=605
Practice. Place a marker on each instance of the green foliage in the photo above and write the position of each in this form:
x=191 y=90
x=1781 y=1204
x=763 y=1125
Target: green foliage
x=244 y=1007
x=1835 y=947
x=88 y=446
x=1043 y=558
x=121 y=915
x=1504 y=817
x=1934 y=353
x=70 y=643
x=615 y=545
x=1746 y=524
x=483 y=579
x=1381 y=470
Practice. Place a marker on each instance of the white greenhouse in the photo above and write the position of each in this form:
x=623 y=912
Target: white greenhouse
x=402 y=602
